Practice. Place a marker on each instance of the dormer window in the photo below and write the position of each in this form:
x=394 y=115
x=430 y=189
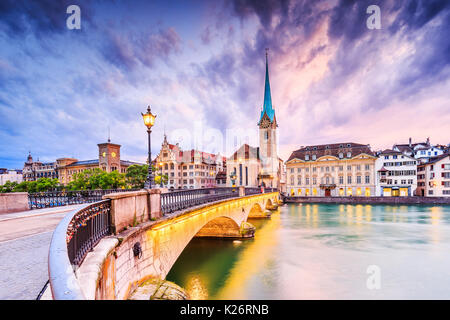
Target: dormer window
x=307 y=157
x=315 y=148
x=349 y=145
x=341 y=155
x=327 y=147
x=314 y=157
x=349 y=154
x=341 y=146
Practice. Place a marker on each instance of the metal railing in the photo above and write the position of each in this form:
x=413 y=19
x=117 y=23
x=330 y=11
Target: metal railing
x=86 y=228
x=182 y=199
x=50 y=199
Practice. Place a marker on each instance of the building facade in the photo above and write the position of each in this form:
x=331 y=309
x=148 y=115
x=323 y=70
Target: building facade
x=65 y=169
x=433 y=177
x=396 y=174
x=10 y=175
x=340 y=169
x=190 y=169
x=421 y=151
x=259 y=166
x=33 y=170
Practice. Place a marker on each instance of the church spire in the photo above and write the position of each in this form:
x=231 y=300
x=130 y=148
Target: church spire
x=267 y=106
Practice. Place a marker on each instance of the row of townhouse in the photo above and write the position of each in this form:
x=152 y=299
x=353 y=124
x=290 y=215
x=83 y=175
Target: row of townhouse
x=353 y=169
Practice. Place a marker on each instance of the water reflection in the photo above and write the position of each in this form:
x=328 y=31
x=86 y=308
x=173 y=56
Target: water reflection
x=323 y=251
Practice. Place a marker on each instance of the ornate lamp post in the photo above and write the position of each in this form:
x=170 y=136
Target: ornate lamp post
x=149 y=121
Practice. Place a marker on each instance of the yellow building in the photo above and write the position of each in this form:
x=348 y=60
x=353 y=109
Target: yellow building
x=108 y=160
x=330 y=170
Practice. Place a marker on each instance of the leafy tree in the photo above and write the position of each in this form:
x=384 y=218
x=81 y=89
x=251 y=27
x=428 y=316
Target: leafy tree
x=21 y=187
x=136 y=175
x=8 y=187
x=46 y=184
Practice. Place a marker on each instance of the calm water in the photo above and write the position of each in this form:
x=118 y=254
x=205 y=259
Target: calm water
x=316 y=251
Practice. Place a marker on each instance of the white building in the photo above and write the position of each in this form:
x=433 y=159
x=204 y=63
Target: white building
x=396 y=174
x=421 y=151
x=10 y=175
x=433 y=177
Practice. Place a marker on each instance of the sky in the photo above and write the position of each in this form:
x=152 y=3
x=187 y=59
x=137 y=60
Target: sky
x=200 y=66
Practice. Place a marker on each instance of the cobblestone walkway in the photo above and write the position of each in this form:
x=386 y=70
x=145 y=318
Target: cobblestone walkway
x=23 y=266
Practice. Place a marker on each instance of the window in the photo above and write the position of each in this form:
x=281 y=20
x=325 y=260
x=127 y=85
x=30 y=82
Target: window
x=314 y=157
x=299 y=170
x=349 y=179
x=314 y=180
x=349 y=168
x=367 y=166
x=358 y=179
x=307 y=180
x=341 y=155
x=367 y=180
x=349 y=154
x=358 y=167
x=299 y=180
x=307 y=157
x=341 y=179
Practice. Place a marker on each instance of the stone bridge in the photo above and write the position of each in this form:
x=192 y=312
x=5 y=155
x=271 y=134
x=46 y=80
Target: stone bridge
x=144 y=249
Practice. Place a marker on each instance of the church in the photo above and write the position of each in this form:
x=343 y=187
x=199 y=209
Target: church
x=259 y=166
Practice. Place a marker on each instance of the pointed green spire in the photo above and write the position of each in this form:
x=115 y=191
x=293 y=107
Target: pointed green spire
x=267 y=107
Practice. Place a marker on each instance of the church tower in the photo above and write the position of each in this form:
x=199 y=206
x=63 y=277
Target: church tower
x=268 y=138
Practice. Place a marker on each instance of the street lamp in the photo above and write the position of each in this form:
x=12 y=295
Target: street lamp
x=149 y=121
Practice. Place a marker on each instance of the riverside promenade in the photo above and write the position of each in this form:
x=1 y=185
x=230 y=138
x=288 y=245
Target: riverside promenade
x=24 y=242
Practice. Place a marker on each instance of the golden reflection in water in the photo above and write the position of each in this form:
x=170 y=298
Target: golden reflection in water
x=196 y=288
x=435 y=216
x=349 y=214
x=359 y=214
x=368 y=212
x=251 y=260
x=315 y=209
x=308 y=213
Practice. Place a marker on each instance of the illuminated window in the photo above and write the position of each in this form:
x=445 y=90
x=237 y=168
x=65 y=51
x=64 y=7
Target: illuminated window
x=367 y=192
x=358 y=191
x=299 y=192
x=307 y=192
x=314 y=192
x=349 y=191
x=341 y=191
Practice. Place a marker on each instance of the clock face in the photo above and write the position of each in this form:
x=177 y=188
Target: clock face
x=113 y=154
x=104 y=154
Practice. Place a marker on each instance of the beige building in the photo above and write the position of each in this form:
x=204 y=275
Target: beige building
x=340 y=169
x=433 y=177
x=189 y=169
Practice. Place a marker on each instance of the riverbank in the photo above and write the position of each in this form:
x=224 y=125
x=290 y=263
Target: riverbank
x=371 y=200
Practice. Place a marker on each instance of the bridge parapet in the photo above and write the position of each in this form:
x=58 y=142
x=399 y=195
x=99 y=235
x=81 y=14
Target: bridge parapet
x=117 y=270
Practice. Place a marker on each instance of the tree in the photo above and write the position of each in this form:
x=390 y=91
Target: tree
x=8 y=187
x=136 y=175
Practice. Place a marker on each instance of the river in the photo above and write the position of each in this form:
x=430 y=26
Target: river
x=326 y=251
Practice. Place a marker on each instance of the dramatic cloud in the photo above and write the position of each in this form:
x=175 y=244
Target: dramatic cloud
x=332 y=78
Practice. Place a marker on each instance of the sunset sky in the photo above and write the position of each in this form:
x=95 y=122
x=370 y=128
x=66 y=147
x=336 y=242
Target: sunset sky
x=201 y=64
